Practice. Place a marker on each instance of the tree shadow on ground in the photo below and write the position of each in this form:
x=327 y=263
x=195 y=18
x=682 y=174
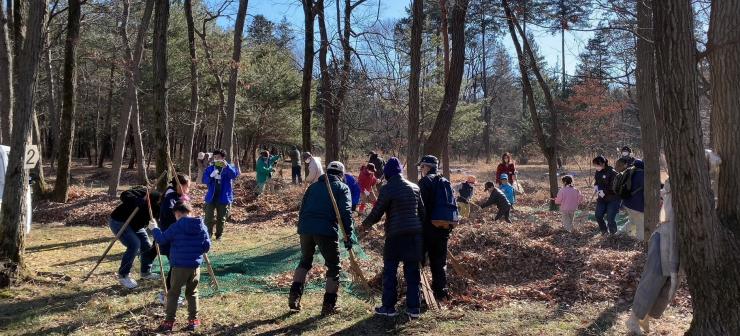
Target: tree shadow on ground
x=65 y=245
x=374 y=325
x=91 y=260
x=605 y=321
x=295 y=329
x=246 y=327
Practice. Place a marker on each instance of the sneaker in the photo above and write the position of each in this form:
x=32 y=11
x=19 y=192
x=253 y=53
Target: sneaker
x=413 y=313
x=128 y=282
x=193 y=324
x=166 y=326
x=385 y=311
x=150 y=276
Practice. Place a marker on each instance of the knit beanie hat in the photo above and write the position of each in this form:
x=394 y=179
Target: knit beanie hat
x=392 y=167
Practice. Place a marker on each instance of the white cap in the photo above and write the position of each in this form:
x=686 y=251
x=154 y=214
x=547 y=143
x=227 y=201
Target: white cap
x=336 y=165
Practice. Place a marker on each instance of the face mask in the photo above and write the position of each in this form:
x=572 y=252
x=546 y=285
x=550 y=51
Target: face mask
x=308 y=160
x=625 y=153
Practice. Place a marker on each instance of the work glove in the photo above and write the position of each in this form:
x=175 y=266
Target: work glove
x=601 y=194
x=152 y=224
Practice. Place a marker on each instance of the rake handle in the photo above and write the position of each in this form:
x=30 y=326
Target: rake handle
x=113 y=241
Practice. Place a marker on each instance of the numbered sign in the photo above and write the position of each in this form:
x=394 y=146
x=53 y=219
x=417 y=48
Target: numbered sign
x=32 y=156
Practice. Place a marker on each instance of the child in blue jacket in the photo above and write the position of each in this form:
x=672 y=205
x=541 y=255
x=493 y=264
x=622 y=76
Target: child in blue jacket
x=189 y=240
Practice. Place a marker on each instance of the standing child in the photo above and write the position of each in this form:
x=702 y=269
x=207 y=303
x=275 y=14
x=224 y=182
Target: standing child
x=367 y=182
x=508 y=189
x=465 y=191
x=569 y=198
x=188 y=239
x=176 y=192
x=497 y=197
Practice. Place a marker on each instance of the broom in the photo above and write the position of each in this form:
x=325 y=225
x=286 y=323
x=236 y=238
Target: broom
x=355 y=269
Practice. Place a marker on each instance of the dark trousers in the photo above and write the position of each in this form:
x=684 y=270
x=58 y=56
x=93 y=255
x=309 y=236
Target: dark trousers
x=406 y=249
x=296 y=175
x=610 y=209
x=435 y=247
x=503 y=212
x=329 y=248
x=136 y=242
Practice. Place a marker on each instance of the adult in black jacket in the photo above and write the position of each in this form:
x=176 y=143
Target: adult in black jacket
x=378 y=162
x=498 y=198
x=435 y=238
x=135 y=237
x=607 y=202
x=400 y=201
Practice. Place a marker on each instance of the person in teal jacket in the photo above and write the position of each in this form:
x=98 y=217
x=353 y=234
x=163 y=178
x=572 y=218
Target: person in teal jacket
x=265 y=168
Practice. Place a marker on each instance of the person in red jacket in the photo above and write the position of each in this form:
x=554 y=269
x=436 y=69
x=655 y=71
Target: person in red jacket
x=506 y=167
x=367 y=181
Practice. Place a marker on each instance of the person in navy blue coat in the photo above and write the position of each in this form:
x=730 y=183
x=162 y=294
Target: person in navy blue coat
x=176 y=192
x=189 y=240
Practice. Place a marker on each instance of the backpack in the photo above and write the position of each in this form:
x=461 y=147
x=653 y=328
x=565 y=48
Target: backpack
x=622 y=184
x=444 y=215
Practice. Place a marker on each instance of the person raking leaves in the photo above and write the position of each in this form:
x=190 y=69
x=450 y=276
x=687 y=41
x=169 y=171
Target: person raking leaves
x=318 y=226
x=134 y=237
x=219 y=177
x=189 y=240
x=498 y=198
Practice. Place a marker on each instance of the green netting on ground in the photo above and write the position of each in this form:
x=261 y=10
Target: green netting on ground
x=621 y=220
x=268 y=268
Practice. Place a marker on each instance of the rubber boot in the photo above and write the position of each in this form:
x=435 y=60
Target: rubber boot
x=330 y=304
x=294 y=298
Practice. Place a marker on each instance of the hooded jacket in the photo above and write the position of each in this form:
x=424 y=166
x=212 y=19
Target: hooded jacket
x=132 y=199
x=225 y=194
x=636 y=201
x=354 y=188
x=264 y=169
x=317 y=215
x=401 y=202
x=188 y=239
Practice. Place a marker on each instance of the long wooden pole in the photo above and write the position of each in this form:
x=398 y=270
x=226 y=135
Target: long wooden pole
x=118 y=235
x=156 y=245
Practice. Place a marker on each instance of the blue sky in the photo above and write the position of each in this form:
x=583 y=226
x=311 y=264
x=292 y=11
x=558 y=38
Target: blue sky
x=291 y=10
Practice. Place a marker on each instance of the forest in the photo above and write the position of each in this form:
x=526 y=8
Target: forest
x=116 y=93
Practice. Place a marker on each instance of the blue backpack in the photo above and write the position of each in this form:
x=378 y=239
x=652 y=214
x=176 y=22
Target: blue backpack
x=445 y=212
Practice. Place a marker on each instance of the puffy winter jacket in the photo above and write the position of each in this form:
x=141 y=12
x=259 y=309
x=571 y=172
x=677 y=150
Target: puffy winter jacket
x=401 y=202
x=317 y=215
x=498 y=198
x=188 y=240
x=314 y=170
x=603 y=181
x=225 y=192
x=354 y=188
x=637 y=200
x=132 y=199
x=367 y=179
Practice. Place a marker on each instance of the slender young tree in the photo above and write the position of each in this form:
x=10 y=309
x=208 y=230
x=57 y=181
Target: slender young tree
x=227 y=137
x=417 y=25
x=69 y=105
x=159 y=59
x=309 y=15
x=187 y=161
x=708 y=231
x=29 y=25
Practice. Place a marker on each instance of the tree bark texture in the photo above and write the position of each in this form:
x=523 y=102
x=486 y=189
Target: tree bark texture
x=27 y=53
x=69 y=106
x=417 y=25
x=439 y=135
x=159 y=59
x=6 y=75
x=708 y=238
x=645 y=74
x=187 y=161
x=308 y=57
x=227 y=137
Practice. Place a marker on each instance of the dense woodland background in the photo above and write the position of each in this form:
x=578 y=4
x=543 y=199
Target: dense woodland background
x=145 y=83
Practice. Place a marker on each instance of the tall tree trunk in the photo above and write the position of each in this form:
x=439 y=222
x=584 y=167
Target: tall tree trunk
x=333 y=145
x=40 y=188
x=52 y=107
x=417 y=25
x=105 y=141
x=308 y=57
x=66 y=135
x=708 y=237
x=438 y=138
x=6 y=76
x=159 y=59
x=219 y=84
x=445 y=36
x=227 y=137
x=548 y=144
x=486 y=106
x=131 y=101
x=27 y=53
x=645 y=73
x=326 y=92
x=187 y=161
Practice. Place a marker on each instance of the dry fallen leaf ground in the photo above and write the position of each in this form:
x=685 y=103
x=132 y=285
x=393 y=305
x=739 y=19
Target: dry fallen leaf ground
x=526 y=278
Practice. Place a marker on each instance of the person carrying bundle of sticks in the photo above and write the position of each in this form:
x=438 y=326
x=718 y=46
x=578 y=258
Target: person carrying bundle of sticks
x=134 y=235
x=318 y=225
